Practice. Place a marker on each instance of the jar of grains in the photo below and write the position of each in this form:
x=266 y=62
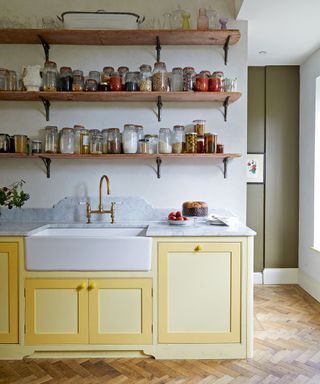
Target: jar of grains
x=145 y=82
x=188 y=78
x=199 y=127
x=50 y=76
x=178 y=139
x=191 y=142
x=176 y=81
x=160 y=78
x=113 y=140
x=122 y=72
x=165 y=145
x=130 y=139
x=67 y=140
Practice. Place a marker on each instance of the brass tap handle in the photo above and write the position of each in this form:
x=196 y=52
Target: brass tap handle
x=88 y=213
x=113 y=212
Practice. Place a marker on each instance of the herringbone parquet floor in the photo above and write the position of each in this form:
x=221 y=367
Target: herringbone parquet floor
x=287 y=350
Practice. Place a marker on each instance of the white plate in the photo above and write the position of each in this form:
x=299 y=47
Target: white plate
x=184 y=222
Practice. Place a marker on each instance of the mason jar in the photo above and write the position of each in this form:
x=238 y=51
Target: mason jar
x=67 y=141
x=51 y=139
x=50 y=76
x=132 y=81
x=113 y=140
x=66 y=79
x=188 y=78
x=77 y=80
x=130 y=139
x=122 y=72
x=77 y=129
x=4 y=79
x=105 y=78
x=178 y=139
x=140 y=132
x=191 y=142
x=176 y=81
x=152 y=144
x=160 y=78
x=202 y=82
x=96 y=144
x=165 y=145
x=145 y=83
x=115 y=82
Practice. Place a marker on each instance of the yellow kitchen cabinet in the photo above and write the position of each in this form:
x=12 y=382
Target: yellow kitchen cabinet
x=95 y=311
x=9 y=290
x=199 y=292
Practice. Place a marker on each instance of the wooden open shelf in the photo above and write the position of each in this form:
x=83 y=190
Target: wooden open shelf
x=118 y=37
x=47 y=157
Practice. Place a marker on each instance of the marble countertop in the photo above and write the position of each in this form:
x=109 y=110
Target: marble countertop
x=154 y=229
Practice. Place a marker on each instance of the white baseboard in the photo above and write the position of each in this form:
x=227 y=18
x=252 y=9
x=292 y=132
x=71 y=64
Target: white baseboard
x=310 y=285
x=280 y=276
x=257 y=278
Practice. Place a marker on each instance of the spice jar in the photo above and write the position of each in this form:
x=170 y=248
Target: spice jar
x=77 y=81
x=113 y=141
x=51 y=139
x=115 y=82
x=12 y=81
x=122 y=72
x=67 y=141
x=191 y=142
x=215 y=82
x=50 y=76
x=65 y=79
x=200 y=144
x=36 y=146
x=91 y=85
x=165 y=145
x=199 y=127
x=4 y=143
x=4 y=77
x=145 y=83
x=176 y=81
x=160 y=78
x=132 y=81
x=105 y=78
x=220 y=148
x=84 y=141
x=188 y=78
x=152 y=144
x=77 y=129
x=210 y=141
x=96 y=143
x=178 y=139
x=143 y=146
x=202 y=83
x=130 y=139
x=20 y=143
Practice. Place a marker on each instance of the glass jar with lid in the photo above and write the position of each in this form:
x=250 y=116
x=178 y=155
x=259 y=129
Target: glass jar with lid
x=132 y=81
x=115 y=82
x=51 y=140
x=4 y=78
x=50 y=76
x=199 y=127
x=122 y=72
x=105 y=78
x=12 y=81
x=67 y=141
x=66 y=79
x=215 y=82
x=140 y=132
x=96 y=143
x=130 y=139
x=20 y=143
x=188 y=78
x=152 y=144
x=95 y=75
x=145 y=83
x=178 y=139
x=113 y=141
x=77 y=80
x=191 y=142
x=165 y=145
x=210 y=142
x=91 y=85
x=202 y=82
x=84 y=142
x=160 y=78
x=77 y=129
x=176 y=81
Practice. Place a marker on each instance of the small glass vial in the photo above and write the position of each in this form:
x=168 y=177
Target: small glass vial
x=132 y=81
x=113 y=141
x=130 y=139
x=12 y=81
x=115 y=82
x=203 y=20
x=105 y=79
x=84 y=142
x=165 y=145
x=199 y=127
x=176 y=81
x=122 y=72
x=160 y=78
x=188 y=78
x=178 y=139
x=202 y=83
x=67 y=141
x=77 y=129
x=77 y=81
x=66 y=79
x=200 y=144
x=51 y=139
x=145 y=83
x=50 y=76
x=210 y=142
x=96 y=144
x=191 y=142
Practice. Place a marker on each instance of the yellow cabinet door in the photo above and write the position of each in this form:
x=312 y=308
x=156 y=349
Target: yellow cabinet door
x=9 y=291
x=120 y=311
x=199 y=291
x=56 y=311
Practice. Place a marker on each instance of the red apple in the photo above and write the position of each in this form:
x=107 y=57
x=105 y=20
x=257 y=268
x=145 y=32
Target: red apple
x=180 y=218
x=178 y=214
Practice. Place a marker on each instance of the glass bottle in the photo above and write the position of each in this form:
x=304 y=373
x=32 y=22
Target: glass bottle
x=115 y=82
x=130 y=139
x=77 y=129
x=212 y=18
x=67 y=141
x=84 y=142
x=12 y=81
x=122 y=72
x=160 y=78
x=4 y=77
x=203 y=20
x=191 y=142
x=132 y=81
x=145 y=83
x=186 y=20
x=165 y=145
x=51 y=139
x=176 y=18
x=176 y=81
x=105 y=78
x=188 y=78
x=65 y=79
x=50 y=76
x=96 y=144
x=178 y=139
x=77 y=80
x=113 y=141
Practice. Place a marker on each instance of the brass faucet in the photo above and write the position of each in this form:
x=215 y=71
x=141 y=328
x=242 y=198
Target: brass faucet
x=100 y=209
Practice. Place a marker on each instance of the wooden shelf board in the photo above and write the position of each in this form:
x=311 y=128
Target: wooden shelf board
x=120 y=96
x=118 y=37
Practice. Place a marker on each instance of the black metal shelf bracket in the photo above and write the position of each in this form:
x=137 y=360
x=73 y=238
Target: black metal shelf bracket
x=226 y=106
x=158 y=48
x=47 y=163
x=225 y=166
x=46 y=104
x=159 y=162
x=46 y=47
x=159 y=105
x=226 y=49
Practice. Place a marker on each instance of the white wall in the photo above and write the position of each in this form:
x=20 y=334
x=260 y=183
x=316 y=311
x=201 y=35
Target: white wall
x=309 y=259
x=181 y=180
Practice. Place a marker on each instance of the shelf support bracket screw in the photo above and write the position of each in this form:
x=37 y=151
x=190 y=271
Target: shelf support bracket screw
x=47 y=163
x=46 y=104
x=225 y=166
x=158 y=48
x=225 y=106
x=46 y=47
x=159 y=105
x=159 y=161
x=226 y=49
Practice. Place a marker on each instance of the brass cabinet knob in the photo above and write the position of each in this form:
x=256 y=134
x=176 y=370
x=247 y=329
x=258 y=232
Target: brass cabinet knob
x=198 y=248
x=82 y=286
x=92 y=286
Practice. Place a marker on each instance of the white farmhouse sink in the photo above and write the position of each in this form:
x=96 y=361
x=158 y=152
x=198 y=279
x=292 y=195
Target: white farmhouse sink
x=89 y=249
